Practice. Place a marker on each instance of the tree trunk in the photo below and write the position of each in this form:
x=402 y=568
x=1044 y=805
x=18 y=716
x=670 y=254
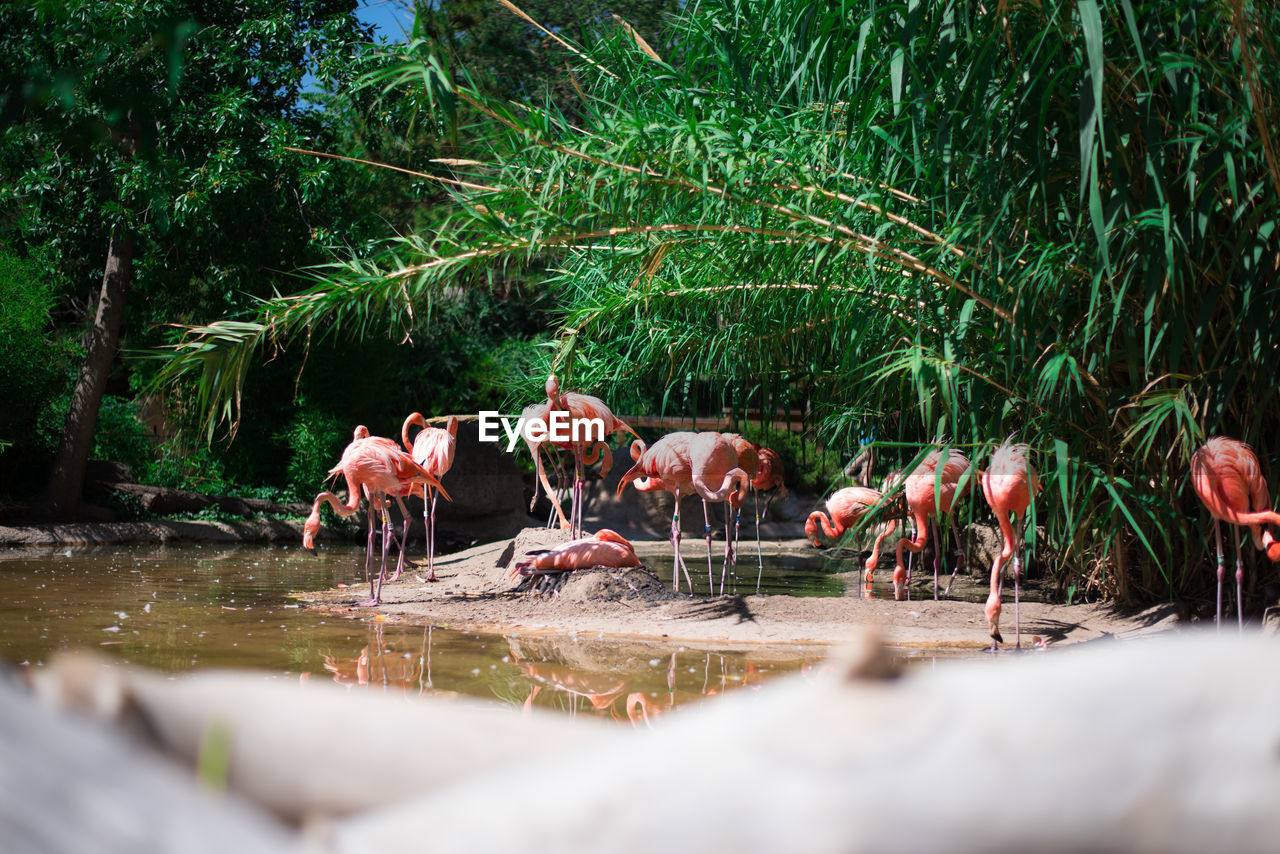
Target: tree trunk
x=65 y=490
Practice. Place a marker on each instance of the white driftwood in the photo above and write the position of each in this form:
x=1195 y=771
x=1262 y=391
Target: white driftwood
x=1169 y=744
x=68 y=787
x=313 y=749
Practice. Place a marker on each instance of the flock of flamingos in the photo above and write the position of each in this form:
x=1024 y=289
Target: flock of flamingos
x=724 y=467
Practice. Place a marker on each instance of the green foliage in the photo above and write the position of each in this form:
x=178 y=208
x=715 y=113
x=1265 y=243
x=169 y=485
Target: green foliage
x=923 y=220
x=807 y=466
x=315 y=440
x=30 y=361
x=121 y=435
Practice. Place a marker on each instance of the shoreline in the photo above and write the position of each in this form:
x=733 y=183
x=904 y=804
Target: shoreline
x=474 y=593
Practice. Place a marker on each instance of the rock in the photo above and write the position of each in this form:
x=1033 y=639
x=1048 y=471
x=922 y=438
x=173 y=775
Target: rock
x=607 y=584
x=483 y=482
x=108 y=471
x=163 y=500
x=250 y=530
x=231 y=504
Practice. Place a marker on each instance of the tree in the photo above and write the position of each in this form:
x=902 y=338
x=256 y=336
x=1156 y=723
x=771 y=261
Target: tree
x=156 y=131
x=931 y=222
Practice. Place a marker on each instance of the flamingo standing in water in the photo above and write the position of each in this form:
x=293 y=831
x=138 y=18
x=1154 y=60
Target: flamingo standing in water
x=432 y=449
x=1010 y=484
x=580 y=408
x=375 y=467
x=843 y=510
x=932 y=488
x=717 y=477
x=769 y=474
x=749 y=462
x=1228 y=479
x=404 y=490
x=665 y=465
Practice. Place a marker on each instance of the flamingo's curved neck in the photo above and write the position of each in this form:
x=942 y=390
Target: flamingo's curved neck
x=833 y=528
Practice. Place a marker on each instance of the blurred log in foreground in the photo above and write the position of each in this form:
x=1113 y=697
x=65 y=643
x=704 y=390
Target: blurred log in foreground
x=1167 y=744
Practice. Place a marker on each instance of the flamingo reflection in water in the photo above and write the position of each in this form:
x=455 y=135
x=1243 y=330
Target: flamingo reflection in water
x=378 y=666
x=565 y=675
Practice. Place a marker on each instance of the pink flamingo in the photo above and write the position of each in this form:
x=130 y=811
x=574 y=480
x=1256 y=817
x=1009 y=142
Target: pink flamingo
x=717 y=477
x=929 y=491
x=1228 y=479
x=406 y=489
x=665 y=465
x=580 y=408
x=1010 y=484
x=749 y=462
x=432 y=449
x=844 y=508
x=377 y=468
x=768 y=476
x=770 y=473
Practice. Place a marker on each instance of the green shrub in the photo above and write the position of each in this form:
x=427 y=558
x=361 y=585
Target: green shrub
x=30 y=361
x=315 y=440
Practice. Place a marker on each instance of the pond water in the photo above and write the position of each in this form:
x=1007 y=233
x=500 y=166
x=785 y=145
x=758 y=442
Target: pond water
x=825 y=572
x=176 y=608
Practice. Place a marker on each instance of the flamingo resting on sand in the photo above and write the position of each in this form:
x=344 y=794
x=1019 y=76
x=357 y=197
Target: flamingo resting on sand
x=843 y=510
x=665 y=465
x=580 y=408
x=1010 y=484
x=932 y=488
x=1228 y=479
x=605 y=548
x=377 y=468
x=432 y=449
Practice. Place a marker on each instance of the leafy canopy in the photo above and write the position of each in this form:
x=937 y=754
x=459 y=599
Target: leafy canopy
x=927 y=220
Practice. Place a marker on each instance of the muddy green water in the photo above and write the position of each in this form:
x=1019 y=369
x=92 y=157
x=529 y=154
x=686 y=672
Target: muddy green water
x=179 y=608
x=183 y=607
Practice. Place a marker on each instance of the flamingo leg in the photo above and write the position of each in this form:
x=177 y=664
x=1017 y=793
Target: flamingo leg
x=910 y=558
x=1235 y=535
x=368 y=548
x=1017 y=591
x=937 y=554
x=431 y=538
x=711 y=579
x=428 y=517
x=675 y=548
x=961 y=557
x=579 y=481
x=1222 y=572
x=730 y=534
x=404 y=537
x=375 y=593
x=759 y=556
x=679 y=535
x=681 y=565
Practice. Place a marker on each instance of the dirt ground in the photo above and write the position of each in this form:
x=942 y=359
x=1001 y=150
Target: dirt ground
x=475 y=592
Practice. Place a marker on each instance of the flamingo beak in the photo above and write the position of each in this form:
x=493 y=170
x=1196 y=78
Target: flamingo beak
x=312 y=549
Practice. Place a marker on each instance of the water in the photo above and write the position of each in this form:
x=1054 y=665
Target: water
x=825 y=572
x=176 y=608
